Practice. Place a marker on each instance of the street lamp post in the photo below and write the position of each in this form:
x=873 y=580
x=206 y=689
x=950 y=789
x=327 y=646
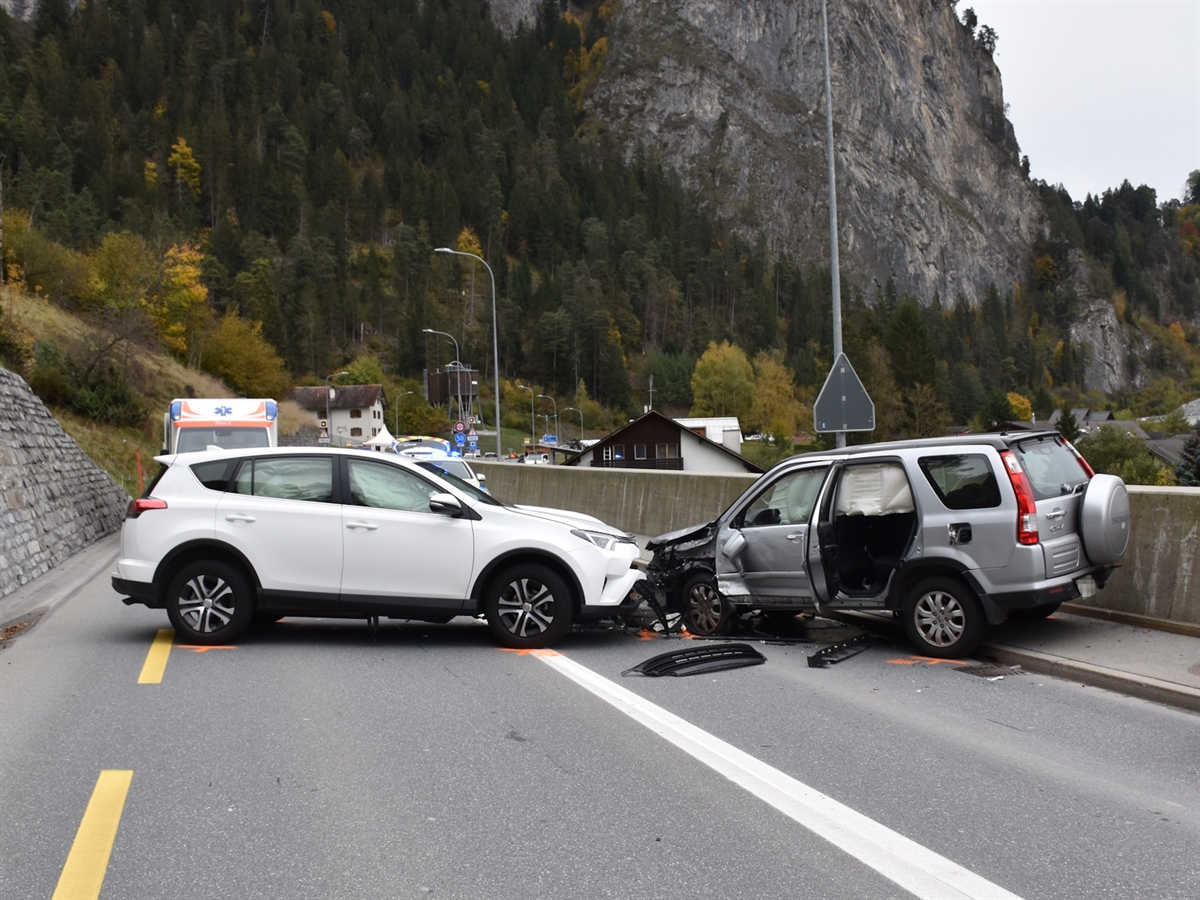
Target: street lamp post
x=328 y=391
x=580 y=411
x=452 y=340
x=552 y=400
x=532 y=419
x=405 y=394
x=456 y=365
x=495 y=335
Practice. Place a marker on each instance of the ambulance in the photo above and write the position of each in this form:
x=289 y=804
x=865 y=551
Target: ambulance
x=200 y=424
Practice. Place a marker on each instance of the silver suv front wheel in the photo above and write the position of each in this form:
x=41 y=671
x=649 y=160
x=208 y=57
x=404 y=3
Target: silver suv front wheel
x=943 y=618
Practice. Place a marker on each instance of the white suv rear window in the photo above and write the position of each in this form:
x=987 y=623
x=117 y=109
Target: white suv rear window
x=287 y=478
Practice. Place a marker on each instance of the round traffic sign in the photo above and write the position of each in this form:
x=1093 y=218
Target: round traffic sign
x=460 y=426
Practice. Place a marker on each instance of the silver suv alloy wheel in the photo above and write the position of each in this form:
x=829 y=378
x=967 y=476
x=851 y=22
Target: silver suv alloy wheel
x=940 y=618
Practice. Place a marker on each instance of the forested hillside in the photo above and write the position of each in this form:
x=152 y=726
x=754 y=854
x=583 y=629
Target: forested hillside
x=258 y=185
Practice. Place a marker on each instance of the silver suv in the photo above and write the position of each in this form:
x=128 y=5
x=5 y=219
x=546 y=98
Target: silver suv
x=951 y=534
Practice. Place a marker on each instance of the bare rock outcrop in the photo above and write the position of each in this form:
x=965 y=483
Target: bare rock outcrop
x=930 y=188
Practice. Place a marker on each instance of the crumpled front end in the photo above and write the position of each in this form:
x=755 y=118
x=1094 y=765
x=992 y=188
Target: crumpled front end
x=677 y=555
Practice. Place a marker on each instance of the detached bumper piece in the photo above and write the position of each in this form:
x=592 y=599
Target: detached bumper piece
x=835 y=653
x=698 y=660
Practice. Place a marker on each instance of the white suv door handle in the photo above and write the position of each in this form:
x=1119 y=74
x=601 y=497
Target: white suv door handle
x=366 y=526
x=239 y=517
x=795 y=536
x=1055 y=514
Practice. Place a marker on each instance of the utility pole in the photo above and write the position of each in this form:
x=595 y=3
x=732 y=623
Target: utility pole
x=3 y=276
x=833 y=223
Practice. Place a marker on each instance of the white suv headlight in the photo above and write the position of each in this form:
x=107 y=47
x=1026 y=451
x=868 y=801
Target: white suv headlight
x=603 y=540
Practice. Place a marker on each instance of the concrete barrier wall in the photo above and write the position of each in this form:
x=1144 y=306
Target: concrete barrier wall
x=644 y=502
x=1160 y=577
x=1161 y=573
x=54 y=500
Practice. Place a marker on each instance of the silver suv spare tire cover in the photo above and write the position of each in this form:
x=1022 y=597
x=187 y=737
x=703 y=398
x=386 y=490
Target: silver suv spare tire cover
x=1104 y=520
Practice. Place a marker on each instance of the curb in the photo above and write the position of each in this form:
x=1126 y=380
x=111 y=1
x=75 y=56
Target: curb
x=54 y=587
x=1126 y=618
x=1179 y=696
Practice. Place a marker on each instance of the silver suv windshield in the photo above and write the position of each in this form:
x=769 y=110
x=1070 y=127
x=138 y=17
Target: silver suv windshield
x=1051 y=467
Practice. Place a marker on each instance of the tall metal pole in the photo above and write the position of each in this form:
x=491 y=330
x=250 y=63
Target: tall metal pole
x=555 y=402
x=495 y=336
x=405 y=394
x=833 y=223
x=580 y=411
x=532 y=414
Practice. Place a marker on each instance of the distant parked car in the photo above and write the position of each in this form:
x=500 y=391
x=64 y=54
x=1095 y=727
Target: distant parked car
x=950 y=534
x=222 y=537
x=445 y=462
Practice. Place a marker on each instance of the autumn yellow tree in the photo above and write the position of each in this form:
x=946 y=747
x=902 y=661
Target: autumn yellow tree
x=775 y=408
x=1021 y=406
x=237 y=353
x=723 y=382
x=124 y=271
x=180 y=306
x=187 y=170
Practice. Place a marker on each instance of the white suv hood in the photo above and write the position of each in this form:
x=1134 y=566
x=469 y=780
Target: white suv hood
x=568 y=517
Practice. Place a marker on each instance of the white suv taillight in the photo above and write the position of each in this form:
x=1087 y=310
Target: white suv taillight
x=141 y=504
x=1027 y=524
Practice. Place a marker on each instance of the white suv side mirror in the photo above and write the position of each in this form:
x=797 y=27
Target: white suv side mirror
x=446 y=504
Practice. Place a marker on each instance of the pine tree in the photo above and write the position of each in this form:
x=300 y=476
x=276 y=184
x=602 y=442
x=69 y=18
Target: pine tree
x=1187 y=471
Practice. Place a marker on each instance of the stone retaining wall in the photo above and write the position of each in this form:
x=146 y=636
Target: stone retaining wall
x=1160 y=576
x=54 y=500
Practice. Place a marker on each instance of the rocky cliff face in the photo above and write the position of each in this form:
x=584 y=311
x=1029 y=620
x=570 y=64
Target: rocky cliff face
x=731 y=92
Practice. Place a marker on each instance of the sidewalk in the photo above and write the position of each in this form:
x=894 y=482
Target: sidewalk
x=1130 y=659
x=33 y=600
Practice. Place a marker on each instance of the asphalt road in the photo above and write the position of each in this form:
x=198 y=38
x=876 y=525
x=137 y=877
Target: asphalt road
x=312 y=762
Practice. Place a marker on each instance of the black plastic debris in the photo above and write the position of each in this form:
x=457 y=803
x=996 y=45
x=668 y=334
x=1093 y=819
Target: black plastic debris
x=698 y=660
x=836 y=653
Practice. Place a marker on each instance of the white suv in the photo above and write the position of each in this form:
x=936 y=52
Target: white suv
x=224 y=537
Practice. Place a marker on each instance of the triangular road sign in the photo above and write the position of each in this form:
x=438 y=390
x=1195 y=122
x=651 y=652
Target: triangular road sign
x=843 y=404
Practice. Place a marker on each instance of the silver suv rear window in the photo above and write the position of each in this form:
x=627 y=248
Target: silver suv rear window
x=1051 y=467
x=962 y=481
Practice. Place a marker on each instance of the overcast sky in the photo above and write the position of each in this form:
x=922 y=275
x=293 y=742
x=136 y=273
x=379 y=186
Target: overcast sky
x=1100 y=91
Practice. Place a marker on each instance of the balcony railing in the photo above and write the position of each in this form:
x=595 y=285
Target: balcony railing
x=675 y=464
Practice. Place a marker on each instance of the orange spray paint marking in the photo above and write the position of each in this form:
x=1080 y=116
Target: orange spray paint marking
x=203 y=648
x=927 y=660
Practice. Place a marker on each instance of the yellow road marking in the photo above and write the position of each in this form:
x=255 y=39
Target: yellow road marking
x=83 y=874
x=156 y=659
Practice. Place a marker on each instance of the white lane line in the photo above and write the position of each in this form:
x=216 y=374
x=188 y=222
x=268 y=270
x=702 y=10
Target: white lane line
x=913 y=867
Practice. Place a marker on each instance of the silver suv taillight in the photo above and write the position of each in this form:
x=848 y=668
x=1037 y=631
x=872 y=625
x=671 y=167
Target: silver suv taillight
x=1027 y=523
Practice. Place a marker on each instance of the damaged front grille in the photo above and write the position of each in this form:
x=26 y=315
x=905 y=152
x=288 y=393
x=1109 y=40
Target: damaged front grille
x=697 y=660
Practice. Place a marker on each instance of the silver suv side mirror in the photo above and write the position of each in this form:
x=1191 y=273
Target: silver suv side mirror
x=735 y=545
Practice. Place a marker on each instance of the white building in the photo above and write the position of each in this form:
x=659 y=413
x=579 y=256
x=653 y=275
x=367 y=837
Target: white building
x=355 y=410
x=723 y=430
